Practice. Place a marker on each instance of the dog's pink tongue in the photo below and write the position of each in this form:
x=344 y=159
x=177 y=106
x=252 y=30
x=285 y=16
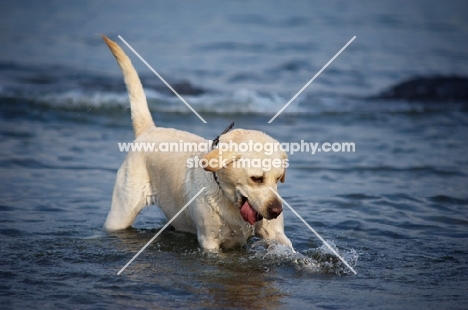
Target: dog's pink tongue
x=248 y=214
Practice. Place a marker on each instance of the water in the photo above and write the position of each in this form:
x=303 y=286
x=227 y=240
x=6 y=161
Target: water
x=396 y=209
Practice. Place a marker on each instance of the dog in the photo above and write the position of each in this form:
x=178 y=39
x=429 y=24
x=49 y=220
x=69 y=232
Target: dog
x=237 y=201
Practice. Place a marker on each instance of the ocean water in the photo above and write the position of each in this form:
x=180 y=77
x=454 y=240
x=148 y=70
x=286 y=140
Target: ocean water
x=396 y=208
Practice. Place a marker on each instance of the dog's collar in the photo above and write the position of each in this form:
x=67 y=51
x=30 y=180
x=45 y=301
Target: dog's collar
x=215 y=145
x=216 y=140
x=216 y=179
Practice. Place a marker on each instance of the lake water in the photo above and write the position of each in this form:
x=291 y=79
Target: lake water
x=396 y=208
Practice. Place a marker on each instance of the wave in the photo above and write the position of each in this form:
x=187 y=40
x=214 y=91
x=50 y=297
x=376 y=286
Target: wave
x=59 y=89
x=242 y=101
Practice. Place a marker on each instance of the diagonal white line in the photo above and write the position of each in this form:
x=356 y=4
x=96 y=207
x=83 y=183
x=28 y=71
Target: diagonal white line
x=161 y=230
x=162 y=79
x=316 y=233
x=311 y=80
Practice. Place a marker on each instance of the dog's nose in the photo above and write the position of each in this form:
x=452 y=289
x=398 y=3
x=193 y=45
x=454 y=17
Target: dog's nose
x=275 y=209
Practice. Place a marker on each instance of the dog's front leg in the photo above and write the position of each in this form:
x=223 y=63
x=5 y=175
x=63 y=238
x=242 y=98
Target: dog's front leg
x=208 y=237
x=208 y=226
x=273 y=230
x=208 y=243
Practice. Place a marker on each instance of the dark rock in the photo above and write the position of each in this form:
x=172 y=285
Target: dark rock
x=187 y=89
x=429 y=89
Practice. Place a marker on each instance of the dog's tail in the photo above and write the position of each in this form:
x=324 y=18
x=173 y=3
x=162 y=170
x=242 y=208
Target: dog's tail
x=141 y=117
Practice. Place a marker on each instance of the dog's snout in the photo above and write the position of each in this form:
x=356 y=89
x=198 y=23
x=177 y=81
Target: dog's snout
x=275 y=209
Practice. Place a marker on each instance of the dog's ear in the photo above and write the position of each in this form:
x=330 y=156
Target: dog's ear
x=283 y=177
x=214 y=160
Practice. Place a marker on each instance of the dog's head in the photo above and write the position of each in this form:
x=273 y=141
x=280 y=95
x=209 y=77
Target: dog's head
x=248 y=163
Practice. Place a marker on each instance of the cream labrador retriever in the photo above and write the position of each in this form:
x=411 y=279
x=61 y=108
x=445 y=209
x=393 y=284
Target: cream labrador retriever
x=237 y=202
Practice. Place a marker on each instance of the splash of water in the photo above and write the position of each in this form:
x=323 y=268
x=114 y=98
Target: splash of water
x=320 y=259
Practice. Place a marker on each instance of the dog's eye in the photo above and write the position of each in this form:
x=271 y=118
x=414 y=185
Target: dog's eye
x=257 y=179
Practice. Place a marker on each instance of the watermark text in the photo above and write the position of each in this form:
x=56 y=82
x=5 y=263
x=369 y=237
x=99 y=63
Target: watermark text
x=268 y=148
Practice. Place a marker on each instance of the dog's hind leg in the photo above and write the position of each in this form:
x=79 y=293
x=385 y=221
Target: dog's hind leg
x=130 y=194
